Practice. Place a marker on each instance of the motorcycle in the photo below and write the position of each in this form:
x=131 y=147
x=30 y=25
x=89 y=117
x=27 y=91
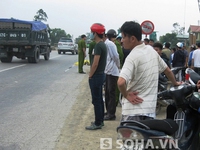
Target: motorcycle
x=163 y=84
x=179 y=131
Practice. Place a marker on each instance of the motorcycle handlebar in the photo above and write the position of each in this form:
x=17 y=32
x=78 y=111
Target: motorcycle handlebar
x=174 y=92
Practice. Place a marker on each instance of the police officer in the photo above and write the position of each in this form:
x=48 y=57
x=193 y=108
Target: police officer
x=81 y=53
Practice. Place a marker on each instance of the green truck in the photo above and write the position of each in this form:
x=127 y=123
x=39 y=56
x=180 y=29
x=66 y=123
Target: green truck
x=24 y=39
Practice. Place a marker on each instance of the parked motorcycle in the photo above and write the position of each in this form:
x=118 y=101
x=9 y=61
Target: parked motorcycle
x=163 y=84
x=179 y=131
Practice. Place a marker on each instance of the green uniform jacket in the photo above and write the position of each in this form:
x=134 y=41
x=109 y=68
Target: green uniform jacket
x=120 y=52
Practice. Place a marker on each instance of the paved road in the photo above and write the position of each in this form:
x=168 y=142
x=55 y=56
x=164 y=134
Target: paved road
x=35 y=100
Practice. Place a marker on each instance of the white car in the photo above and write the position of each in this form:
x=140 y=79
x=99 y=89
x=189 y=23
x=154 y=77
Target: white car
x=66 y=45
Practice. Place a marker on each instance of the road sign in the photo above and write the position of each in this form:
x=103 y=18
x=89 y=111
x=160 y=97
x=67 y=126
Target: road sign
x=147 y=27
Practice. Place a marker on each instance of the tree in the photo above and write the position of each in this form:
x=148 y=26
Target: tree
x=178 y=30
x=56 y=34
x=169 y=37
x=41 y=16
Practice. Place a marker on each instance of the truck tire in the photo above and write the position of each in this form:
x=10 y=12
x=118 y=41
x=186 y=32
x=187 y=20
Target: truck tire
x=7 y=59
x=47 y=54
x=59 y=52
x=36 y=57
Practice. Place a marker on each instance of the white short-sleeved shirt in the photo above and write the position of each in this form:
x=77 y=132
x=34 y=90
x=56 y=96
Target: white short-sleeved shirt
x=141 y=70
x=196 y=57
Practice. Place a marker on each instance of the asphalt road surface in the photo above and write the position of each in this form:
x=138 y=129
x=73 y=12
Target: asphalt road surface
x=35 y=100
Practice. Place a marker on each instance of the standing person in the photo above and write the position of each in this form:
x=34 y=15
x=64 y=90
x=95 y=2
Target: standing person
x=81 y=53
x=179 y=59
x=146 y=41
x=91 y=49
x=196 y=59
x=96 y=75
x=117 y=42
x=138 y=80
x=186 y=60
x=192 y=48
x=151 y=42
x=125 y=51
x=172 y=56
x=158 y=47
x=166 y=50
x=112 y=73
x=186 y=55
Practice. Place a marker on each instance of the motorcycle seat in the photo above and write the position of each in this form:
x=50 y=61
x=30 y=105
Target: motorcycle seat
x=167 y=126
x=195 y=77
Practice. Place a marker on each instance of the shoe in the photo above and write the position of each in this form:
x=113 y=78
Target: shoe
x=107 y=118
x=82 y=72
x=93 y=127
x=102 y=124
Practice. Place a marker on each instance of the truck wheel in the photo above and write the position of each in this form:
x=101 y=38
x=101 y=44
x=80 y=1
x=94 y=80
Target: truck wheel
x=36 y=57
x=63 y=52
x=59 y=52
x=7 y=59
x=73 y=52
x=47 y=54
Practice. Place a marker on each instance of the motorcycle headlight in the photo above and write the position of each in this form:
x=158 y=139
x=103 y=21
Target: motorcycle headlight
x=126 y=133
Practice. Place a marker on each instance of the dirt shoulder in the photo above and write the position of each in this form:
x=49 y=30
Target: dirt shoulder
x=74 y=136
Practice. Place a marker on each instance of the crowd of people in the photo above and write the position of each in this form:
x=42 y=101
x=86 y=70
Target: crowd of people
x=126 y=64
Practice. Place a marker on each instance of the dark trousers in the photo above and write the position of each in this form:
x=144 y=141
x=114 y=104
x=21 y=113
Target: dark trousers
x=197 y=70
x=110 y=94
x=96 y=84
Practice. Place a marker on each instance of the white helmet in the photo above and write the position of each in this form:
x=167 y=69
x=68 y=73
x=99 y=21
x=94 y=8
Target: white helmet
x=119 y=36
x=179 y=44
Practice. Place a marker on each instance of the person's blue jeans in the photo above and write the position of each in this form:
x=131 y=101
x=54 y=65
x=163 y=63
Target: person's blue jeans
x=96 y=84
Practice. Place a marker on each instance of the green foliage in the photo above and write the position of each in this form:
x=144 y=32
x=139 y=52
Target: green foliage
x=169 y=37
x=56 y=34
x=41 y=16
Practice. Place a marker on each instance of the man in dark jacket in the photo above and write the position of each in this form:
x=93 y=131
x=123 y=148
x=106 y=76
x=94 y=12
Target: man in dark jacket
x=179 y=59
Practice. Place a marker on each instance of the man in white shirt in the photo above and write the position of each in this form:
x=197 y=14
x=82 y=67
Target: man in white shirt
x=138 y=80
x=112 y=74
x=196 y=60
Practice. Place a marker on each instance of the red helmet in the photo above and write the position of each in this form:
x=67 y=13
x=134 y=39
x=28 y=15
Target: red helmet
x=98 y=28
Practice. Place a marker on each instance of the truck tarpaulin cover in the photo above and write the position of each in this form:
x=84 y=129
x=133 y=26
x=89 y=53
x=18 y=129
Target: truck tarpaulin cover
x=36 y=25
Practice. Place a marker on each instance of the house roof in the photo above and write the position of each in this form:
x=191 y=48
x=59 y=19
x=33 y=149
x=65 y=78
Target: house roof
x=194 y=28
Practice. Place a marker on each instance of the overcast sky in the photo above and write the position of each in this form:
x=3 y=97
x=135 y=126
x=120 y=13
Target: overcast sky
x=76 y=16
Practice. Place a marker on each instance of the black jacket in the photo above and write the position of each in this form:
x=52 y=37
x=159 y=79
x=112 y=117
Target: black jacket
x=166 y=60
x=179 y=59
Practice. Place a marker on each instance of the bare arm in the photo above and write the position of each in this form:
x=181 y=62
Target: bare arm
x=94 y=65
x=171 y=77
x=122 y=86
x=130 y=96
